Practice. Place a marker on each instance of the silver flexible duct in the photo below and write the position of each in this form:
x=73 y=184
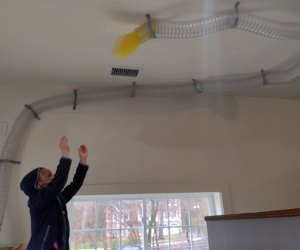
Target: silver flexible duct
x=230 y=19
x=225 y=20
x=33 y=110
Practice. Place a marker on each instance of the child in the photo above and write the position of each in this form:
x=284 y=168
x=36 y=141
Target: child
x=48 y=197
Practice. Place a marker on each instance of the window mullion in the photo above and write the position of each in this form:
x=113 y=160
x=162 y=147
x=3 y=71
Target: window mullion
x=190 y=222
x=212 y=208
x=168 y=213
x=144 y=221
x=120 y=223
x=96 y=222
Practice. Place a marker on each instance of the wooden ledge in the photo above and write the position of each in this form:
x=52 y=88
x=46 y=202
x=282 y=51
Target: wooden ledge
x=258 y=215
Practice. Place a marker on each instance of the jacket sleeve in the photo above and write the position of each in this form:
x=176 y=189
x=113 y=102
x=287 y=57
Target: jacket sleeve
x=47 y=194
x=70 y=190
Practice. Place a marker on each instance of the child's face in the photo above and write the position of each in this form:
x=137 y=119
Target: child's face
x=45 y=177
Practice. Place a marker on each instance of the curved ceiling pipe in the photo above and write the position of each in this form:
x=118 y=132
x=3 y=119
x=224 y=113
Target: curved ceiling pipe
x=81 y=96
x=230 y=19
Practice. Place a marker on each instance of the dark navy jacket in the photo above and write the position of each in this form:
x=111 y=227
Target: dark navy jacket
x=48 y=212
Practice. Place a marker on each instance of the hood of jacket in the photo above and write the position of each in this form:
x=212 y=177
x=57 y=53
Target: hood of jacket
x=29 y=183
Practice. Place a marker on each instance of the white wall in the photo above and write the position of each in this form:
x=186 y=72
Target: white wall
x=247 y=148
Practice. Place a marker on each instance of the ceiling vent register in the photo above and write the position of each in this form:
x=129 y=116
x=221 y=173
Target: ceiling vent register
x=124 y=72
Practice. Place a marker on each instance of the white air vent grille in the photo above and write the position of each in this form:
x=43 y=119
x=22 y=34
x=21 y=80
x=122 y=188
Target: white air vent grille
x=124 y=72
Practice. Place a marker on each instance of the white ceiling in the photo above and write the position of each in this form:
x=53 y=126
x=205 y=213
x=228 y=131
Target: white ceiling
x=69 y=42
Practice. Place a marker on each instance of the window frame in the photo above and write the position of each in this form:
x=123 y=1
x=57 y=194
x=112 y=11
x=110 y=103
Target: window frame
x=215 y=204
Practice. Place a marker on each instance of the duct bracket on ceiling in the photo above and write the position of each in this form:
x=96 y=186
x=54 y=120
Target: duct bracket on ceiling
x=10 y=161
x=236 y=14
x=75 y=99
x=196 y=87
x=263 y=76
x=150 y=28
x=33 y=111
x=133 y=89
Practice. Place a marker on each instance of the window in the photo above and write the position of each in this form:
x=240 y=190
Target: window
x=148 y=221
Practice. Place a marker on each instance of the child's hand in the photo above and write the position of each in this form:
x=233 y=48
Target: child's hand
x=64 y=146
x=83 y=153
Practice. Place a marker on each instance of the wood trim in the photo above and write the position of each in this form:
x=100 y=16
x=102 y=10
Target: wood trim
x=258 y=215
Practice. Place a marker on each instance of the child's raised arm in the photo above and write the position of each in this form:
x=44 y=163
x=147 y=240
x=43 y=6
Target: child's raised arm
x=83 y=154
x=64 y=147
x=70 y=190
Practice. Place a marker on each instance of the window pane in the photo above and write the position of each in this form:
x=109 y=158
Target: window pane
x=108 y=239
x=199 y=231
x=83 y=240
x=158 y=238
x=109 y=215
x=178 y=212
x=132 y=239
x=180 y=238
x=83 y=215
x=184 y=206
x=131 y=213
x=200 y=239
x=174 y=212
x=156 y=213
x=199 y=208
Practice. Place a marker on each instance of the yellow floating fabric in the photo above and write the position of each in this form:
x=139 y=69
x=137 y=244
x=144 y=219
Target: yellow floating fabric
x=127 y=44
